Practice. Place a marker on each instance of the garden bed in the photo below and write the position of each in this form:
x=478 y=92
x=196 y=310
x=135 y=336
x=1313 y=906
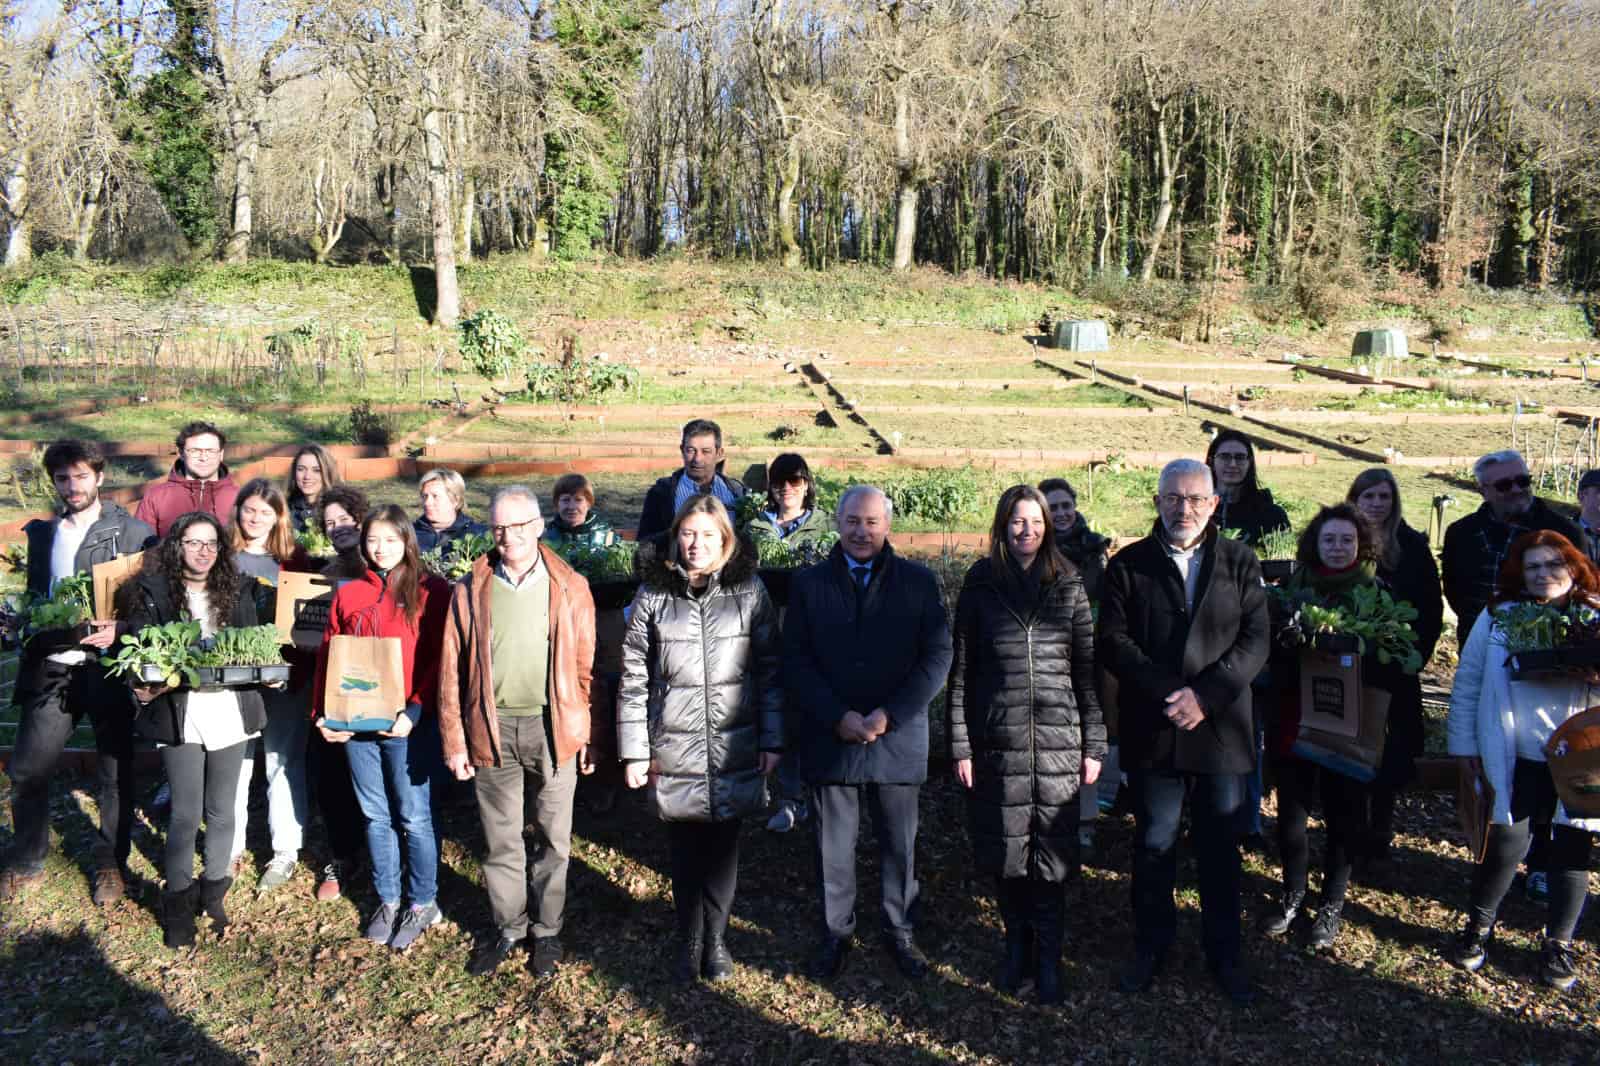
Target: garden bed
x=738 y=432
x=1060 y=433
x=874 y=396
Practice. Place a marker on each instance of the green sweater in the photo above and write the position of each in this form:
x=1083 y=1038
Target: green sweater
x=519 y=643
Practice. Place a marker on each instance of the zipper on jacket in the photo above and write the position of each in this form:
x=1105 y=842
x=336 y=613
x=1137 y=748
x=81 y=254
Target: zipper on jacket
x=1033 y=754
x=705 y=695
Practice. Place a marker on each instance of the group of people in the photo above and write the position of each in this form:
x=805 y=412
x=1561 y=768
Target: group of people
x=1178 y=685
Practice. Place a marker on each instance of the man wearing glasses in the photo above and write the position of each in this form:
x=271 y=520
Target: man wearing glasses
x=59 y=680
x=199 y=481
x=514 y=675
x=1475 y=545
x=1183 y=629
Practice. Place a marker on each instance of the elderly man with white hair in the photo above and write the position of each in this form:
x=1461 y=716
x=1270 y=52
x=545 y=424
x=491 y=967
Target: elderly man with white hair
x=1183 y=629
x=1475 y=546
x=866 y=648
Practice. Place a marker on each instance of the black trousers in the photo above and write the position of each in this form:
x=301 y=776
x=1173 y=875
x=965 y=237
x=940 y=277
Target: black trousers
x=1344 y=812
x=329 y=777
x=837 y=810
x=48 y=718
x=1533 y=800
x=204 y=784
x=1215 y=800
x=705 y=874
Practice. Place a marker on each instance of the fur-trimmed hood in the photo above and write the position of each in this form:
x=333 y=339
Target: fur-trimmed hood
x=657 y=572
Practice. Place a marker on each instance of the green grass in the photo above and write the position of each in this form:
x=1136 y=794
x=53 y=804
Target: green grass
x=869 y=396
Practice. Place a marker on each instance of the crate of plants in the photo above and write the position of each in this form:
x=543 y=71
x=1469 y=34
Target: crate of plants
x=1276 y=552
x=1369 y=621
x=240 y=657
x=1545 y=641
x=157 y=655
x=60 y=619
x=608 y=567
x=777 y=561
x=453 y=561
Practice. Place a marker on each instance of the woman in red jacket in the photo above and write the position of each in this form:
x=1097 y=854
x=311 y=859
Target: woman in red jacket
x=393 y=770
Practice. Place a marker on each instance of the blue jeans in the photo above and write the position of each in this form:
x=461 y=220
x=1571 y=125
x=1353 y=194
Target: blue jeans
x=396 y=774
x=1214 y=799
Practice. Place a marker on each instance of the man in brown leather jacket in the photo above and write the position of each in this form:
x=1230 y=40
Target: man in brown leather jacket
x=514 y=715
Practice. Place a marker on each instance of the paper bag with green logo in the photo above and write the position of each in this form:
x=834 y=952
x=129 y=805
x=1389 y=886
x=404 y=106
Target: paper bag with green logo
x=366 y=685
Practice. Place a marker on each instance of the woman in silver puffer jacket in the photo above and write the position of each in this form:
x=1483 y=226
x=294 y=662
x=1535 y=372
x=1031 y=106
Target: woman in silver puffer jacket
x=700 y=717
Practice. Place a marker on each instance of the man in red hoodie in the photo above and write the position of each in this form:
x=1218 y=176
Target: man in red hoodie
x=199 y=481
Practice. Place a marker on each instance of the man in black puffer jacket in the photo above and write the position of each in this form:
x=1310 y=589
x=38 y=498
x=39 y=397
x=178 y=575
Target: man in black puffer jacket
x=1183 y=628
x=866 y=647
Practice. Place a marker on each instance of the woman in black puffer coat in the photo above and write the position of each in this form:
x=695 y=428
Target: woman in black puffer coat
x=701 y=714
x=1024 y=726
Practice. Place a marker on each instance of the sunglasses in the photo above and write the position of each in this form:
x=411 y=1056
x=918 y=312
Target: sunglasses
x=1506 y=484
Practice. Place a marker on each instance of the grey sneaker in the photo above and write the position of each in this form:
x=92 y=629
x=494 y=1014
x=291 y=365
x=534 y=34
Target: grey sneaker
x=791 y=814
x=381 y=928
x=277 y=874
x=416 y=920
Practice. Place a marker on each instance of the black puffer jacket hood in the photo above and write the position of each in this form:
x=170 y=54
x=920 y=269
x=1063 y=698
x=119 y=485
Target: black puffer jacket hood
x=700 y=696
x=1022 y=706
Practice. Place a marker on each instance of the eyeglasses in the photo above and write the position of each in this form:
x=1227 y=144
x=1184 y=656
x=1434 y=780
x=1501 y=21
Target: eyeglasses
x=1506 y=484
x=1172 y=501
x=519 y=528
x=204 y=547
x=1231 y=457
x=1556 y=567
x=202 y=453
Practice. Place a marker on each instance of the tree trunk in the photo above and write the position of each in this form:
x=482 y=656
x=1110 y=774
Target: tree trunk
x=236 y=249
x=87 y=217
x=15 y=192
x=905 y=172
x=788 y=181
x=447 y=299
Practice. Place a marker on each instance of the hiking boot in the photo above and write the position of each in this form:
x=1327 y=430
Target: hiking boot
x=178 y=912
x=1558 y=964
x=380 y=930
x=1280 y=921
x=1469 y=947
x=691 y=953
x=212 y=894
x=1325 y=930
x=277 y=874
x=418 y=919
x=108 y=886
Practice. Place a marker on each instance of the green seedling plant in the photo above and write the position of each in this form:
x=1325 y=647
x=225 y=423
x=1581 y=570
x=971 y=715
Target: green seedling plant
x=170 y=648
x=1369 y=613
x=315 y=542
x=243 y=646
x=1541 y=627
x=781 y=555
x=612 y=562
x=68 y=605
x=454 y=561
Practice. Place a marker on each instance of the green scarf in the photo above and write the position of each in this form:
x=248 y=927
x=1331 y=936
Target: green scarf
x=1330 y=585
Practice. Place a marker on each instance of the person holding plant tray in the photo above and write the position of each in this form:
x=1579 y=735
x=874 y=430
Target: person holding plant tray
x=701 y=714
x=575 y=520
x=57 y=682
x=310 y=475
x=1338 y=558
x=201 y=734
x=1024 y=727
x=1498 y=728
x=393 y=770
x=1407 y=566
x=263 y=541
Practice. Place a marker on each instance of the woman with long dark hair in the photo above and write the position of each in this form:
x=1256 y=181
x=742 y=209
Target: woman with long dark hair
x=312 y=473
x=393 y=770
x=1025 y=727
x=1407 y=565
x=201 y=734
x=1338 y=555
x=701 y=714
x=263 y=541
x=1498 y=727
x=1245 y=504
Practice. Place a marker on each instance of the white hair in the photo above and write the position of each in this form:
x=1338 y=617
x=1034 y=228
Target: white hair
x=1184 y=468
x=514 y=492
x=1495 y=459
x=863 y=490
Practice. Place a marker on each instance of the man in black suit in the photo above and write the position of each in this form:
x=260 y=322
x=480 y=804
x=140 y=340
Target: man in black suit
x=866 y=647
x=1183 y=628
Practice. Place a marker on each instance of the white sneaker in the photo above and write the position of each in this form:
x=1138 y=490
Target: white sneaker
x=277 y=874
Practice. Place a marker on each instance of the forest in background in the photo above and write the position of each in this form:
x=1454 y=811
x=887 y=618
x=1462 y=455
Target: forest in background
x=1313 y=147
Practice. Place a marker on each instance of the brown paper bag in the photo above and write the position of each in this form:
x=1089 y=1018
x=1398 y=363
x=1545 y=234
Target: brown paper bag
x=304 y=601
x=1343 y=723
x=366 y=684
x=111 y=575
x=1474 y=808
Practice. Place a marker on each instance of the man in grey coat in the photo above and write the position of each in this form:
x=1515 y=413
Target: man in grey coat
x=866 y=648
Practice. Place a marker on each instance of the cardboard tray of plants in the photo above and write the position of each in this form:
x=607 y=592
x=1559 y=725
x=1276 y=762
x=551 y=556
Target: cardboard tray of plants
x=1543 y=663
x=241 y=676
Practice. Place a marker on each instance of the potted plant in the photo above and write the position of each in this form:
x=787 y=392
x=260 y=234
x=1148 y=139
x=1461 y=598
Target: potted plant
x=157 y=655
x=454 y=560
x=1542 y=639
x=1373 y=622
x=62 y=618
x=609 y=569
x=241 y=656
x=777 y=560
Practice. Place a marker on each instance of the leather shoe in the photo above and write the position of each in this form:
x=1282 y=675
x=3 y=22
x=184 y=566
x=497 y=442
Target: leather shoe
x=1235 y=983
x=1141 y=973
x=908 y=958
x=828 y=962
x=546 y=955
x=488 y=960
x=718 y=965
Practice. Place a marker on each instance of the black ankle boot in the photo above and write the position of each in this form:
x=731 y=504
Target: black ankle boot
x=177 y=916
x=1278 y=922
x=1014 y=904
x=1325 y=930
x=691 y=950
x=718 y=963
x=1049 y=918
x=212 y=894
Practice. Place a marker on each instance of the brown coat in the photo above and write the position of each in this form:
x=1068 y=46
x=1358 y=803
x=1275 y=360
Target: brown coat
x=467 y=720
